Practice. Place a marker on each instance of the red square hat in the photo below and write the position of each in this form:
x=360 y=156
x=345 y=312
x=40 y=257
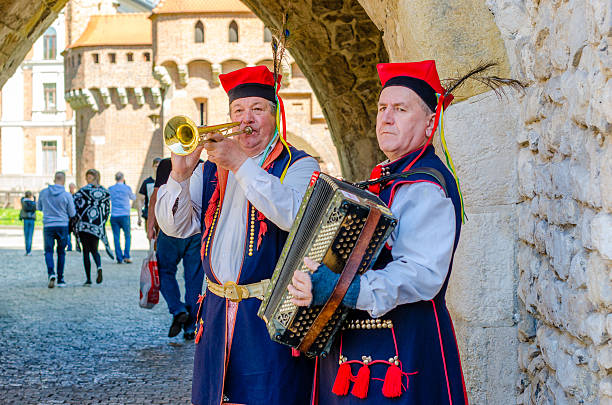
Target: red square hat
x=255 y=81
x=421 y=77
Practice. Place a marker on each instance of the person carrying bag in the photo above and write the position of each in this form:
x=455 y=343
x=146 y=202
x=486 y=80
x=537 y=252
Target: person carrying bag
x=149 y=279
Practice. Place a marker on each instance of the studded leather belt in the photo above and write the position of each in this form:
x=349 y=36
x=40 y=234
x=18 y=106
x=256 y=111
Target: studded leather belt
x=238 y=292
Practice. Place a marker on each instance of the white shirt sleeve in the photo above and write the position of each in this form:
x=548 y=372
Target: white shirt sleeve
x=421 y=246
x=185 y=221
x=278 y=201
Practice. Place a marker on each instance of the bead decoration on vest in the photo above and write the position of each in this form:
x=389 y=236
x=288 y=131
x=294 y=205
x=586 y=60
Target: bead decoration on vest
x=368 y=324
x=392 y=383
x=252 y=231
x=210 y=233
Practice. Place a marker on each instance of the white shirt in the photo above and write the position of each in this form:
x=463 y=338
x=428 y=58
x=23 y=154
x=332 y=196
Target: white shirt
x=279 y=202
x=421 y=246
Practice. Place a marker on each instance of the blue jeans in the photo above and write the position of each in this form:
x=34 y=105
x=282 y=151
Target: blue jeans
x=28 y=231
x=117 y=224
x=53 y=234
x=170 y=251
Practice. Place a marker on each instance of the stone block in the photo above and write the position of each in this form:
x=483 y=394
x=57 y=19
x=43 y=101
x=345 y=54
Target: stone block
x=575 y=308
x=605 y=386
x=601 y=234
x=595 y=326
x=526 y=223
x=609 y=324
x=527 y=328
x=561 y=178
x=585 y=227
x=562 y=249
x=599 y=286
x=543 y=179
x=605 y=183
x=485 y=268
x=598 y=19
x=526 y=173
x=577 y=273
x=534 y=105
x=576 y=90
x=604 y=356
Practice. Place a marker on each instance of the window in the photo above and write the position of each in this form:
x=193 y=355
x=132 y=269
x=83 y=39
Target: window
x=96 y=57
x=49 y=156
x=50 y=96
x=147 y=57
x=130 y=57
x=233 y=32
x=112 y=57
x=199 y=32
x=79 y=59
x=267 y=35
x=202 y=114
x=50 y=44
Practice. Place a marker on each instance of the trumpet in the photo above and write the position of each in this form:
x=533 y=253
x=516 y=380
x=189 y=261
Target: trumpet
x=182 y=136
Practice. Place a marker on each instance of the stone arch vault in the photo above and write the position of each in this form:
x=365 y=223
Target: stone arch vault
x=337 y=44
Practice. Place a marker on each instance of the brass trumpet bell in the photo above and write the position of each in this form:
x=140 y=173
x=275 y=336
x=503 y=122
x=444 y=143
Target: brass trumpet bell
x=182 y=136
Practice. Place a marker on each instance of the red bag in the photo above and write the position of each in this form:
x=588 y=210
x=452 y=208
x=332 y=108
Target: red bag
x=149 y=280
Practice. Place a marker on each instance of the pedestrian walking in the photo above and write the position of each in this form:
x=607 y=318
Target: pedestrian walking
x=170 y=251
x=121 y=194
x=71 y=189
x=93 y=207
x=28 y=216
x=57 y=207
x=146 y=189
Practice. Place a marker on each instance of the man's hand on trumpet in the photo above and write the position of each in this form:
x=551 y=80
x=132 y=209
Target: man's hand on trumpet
x=225 y=152
x=184 y=165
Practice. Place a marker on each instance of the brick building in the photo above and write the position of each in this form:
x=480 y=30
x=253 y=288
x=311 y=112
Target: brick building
x=127 y=74
x=36 y=125
x=109 y=83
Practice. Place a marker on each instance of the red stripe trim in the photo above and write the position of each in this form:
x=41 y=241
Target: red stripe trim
x=450 y=399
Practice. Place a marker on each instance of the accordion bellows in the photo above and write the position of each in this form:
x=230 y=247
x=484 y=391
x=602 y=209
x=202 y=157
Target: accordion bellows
x=328 y=228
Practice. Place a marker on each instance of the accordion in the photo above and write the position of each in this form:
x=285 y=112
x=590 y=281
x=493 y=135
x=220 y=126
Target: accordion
x=342 y=227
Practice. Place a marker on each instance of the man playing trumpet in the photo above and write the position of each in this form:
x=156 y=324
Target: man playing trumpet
x=243 y=200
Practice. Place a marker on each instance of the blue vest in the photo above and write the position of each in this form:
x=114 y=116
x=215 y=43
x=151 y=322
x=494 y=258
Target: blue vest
x=424 y=332
x=256 y=371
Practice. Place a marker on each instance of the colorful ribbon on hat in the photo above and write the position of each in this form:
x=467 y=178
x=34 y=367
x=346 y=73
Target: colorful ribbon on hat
x=449 y=160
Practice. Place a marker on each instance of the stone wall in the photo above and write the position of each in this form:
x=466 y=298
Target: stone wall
x=562 y=50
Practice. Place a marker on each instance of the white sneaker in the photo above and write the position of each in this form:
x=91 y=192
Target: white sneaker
x=51 y=281
x=61 y=284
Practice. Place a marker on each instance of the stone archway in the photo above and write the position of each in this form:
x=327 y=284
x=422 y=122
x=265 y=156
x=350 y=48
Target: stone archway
x=337 y=47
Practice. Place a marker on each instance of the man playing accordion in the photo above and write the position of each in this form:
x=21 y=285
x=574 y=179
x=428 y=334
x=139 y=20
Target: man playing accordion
x=400 y=347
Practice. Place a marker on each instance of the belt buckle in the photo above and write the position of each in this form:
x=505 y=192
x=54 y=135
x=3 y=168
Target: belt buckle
x=235 y=292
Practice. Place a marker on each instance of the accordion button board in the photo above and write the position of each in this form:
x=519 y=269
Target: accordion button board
x=326 y=229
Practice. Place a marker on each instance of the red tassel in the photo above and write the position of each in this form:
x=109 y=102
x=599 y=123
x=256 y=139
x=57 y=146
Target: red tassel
x=362 y=382
x=392 y=387
x=200 y=330
x=210 y=211
x=263 y=228
x=343 y=380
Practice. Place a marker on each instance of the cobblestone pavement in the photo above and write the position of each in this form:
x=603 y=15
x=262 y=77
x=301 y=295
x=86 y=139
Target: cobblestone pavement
x=84 y=345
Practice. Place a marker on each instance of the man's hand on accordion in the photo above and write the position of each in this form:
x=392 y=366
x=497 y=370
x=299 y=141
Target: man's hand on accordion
x=317 y=287
x=301 y=284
